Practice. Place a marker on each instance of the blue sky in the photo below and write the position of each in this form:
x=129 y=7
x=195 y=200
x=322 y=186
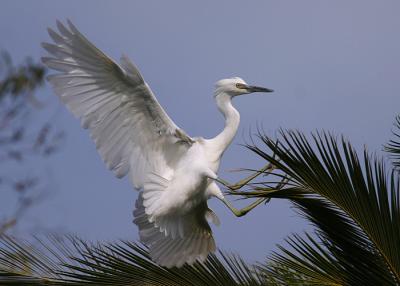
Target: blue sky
x=333 y=65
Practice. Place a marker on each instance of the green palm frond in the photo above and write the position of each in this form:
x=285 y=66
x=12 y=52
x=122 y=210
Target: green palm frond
x=311 y=263
x=71 y=261
x=37 y=262
x=18 y=280
x=393 y=147
x=355 y=207
x=129 y=264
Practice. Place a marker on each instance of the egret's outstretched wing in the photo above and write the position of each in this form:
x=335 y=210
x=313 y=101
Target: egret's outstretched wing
x=131 y=130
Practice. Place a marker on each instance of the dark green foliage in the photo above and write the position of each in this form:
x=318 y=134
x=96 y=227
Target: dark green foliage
x=353 y=205
x=20 y=80
x=71 y=261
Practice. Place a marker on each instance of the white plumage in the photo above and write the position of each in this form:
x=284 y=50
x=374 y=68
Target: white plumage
x=135 y=136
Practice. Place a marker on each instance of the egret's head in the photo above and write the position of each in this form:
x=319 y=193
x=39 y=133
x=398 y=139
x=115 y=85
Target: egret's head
x=237 y=86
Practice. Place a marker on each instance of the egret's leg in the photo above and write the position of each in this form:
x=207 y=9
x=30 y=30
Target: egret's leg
x=245 y=210
x=214 y=190
x=243 y=182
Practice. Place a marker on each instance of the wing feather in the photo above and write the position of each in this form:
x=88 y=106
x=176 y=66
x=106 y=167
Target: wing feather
x=188 y=239
x=132 y=132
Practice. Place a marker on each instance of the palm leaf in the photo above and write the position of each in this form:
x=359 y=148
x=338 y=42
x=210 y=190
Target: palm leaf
x=129 y=264
x=7 y=278
x=37 y=262
x=71 y=261
x=311 y=264
x=393 y=147
x=354 y=205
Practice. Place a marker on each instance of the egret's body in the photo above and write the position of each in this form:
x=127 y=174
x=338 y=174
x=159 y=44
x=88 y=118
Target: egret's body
x=135 y=136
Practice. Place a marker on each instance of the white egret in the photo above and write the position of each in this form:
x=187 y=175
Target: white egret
x=135 y=136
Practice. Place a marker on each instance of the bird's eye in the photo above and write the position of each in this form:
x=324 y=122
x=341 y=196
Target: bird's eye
x=241 y=86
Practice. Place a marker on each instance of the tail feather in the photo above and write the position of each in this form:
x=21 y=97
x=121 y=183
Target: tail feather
x=175 y=240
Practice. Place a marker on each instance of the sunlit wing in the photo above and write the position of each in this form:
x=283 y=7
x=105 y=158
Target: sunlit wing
x=131 y=130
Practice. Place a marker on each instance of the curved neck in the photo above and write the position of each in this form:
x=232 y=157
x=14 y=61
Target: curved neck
x=232 y=119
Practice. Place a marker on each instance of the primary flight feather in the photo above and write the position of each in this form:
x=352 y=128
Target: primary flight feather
x=133 y=134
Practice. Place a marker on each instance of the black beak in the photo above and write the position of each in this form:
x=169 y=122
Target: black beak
x=252 y=88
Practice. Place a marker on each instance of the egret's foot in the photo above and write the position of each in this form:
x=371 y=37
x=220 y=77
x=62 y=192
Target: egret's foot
x=245 y=181
x=223 y=182
x=243 y=211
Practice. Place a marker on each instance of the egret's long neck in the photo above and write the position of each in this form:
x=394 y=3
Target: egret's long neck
x=232 y=119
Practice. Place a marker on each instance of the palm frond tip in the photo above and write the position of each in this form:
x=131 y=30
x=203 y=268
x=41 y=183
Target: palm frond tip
x=393 y=146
